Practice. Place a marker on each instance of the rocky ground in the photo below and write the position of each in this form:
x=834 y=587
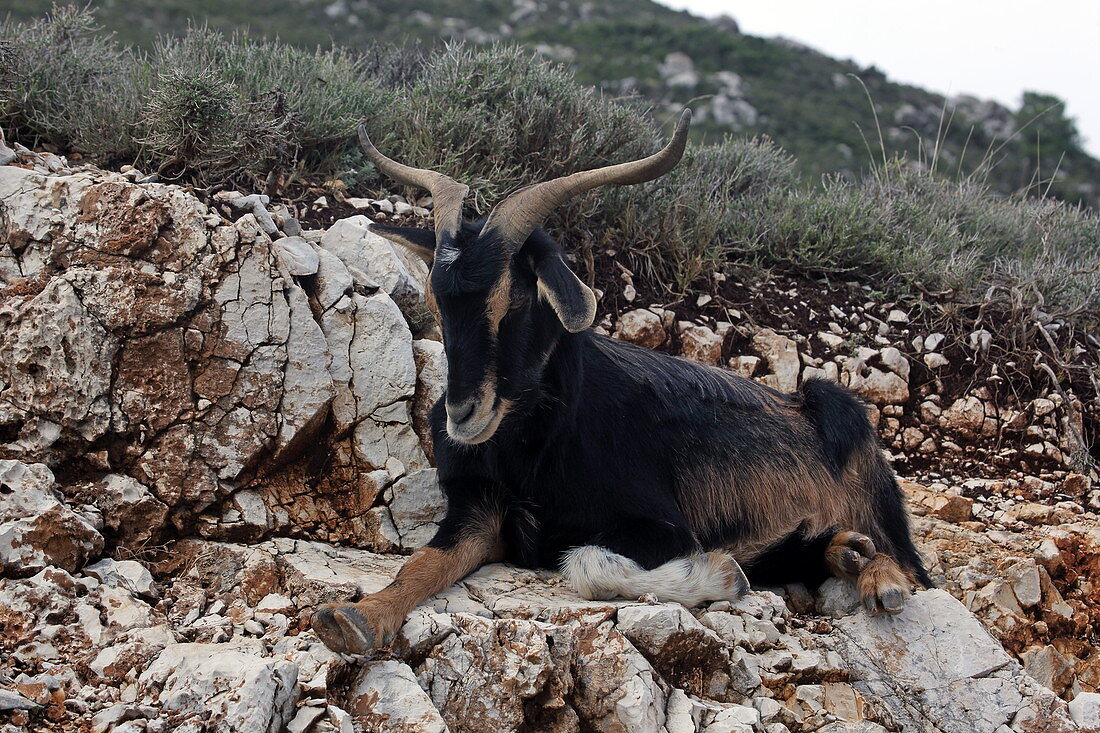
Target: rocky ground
x=212 y=420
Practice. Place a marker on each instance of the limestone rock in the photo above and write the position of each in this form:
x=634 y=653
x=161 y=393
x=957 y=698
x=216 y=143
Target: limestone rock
x=333 y=279
x=297 y=256
x=374 y=374
x=236 y=690
x=895 y=361
x=306 y=383
x=965 y=416
x=37 y=529
x=431 y=382
x=616 y=689
x=55 y=368
x=360 y=249
x=1085 y=709
x=699 y=343
x=386 y=696
x=128 y=574
x=480 y=677
x=782 y=356
x=837 y=597
x=746 y=365
x=416 y=507
x=129 y=509
x=642 y=327
x=912 y=662
x=672 y=639
x=873 y=384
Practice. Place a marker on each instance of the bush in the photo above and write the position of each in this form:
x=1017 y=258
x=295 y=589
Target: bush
x=196 y=120
x=203 y=104
x=676 y=227
x=70 y=86
x=499 y=117
x=283 y=105
x=911 y=232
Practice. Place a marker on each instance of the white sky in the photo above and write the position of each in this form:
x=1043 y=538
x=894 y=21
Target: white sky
x=989 y=48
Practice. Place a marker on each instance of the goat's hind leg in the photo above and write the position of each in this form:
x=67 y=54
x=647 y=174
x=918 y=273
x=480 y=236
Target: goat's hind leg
x=881 y=583
x=597 y=573
x=848 y=553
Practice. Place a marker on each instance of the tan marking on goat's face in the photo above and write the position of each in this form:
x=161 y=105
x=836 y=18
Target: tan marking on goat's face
x=500 y=299
x=430 y=301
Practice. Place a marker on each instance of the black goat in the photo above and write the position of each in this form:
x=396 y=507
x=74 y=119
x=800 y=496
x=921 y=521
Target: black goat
x=631 y=471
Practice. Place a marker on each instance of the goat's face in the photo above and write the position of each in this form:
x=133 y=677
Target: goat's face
x=501 y=313
x=500 y=289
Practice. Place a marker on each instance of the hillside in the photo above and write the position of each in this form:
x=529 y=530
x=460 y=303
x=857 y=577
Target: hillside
x=210 y=427
x=813 y=106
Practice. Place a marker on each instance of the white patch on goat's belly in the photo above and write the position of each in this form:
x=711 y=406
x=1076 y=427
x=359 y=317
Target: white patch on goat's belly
x=597 y=573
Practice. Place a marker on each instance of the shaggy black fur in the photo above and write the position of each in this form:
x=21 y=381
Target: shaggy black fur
x=602 y=433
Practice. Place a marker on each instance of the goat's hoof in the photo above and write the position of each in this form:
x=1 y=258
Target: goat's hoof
x=733 y=582
x=849 y=553
x=344 y=629
x=888 y=600
x=883 y=587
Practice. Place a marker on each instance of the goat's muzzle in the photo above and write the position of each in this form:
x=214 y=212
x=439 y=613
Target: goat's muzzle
x=475 y=419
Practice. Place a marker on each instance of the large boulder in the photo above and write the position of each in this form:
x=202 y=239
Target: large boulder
x=934 y=664
x=241 y=384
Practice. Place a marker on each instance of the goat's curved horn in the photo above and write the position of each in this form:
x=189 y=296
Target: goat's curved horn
x=447 y=193
x=517 y=216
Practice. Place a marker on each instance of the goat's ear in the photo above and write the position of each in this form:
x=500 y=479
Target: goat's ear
x=572 y=300
x=419 y=241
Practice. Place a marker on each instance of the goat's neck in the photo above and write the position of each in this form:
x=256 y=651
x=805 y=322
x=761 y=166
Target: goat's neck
x=542 y=411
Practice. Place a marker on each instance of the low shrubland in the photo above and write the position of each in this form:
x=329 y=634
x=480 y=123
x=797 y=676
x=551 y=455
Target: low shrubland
x=219 y=111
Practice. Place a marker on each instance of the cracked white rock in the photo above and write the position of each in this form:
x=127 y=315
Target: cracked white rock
x=128 y=574
x=37 y=529
x=55 y=368
x=352 y=241
x=480 y=676
x=297 y=255
x=386 y=696
x=914 y=663
x=239 y=689
x=416 y=507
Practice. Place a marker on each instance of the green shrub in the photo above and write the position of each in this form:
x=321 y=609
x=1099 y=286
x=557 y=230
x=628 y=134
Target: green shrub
x=304 y=106
x=676 y=226
x=203 y=104
x=910 y=231
x=69 y=85
x=499 y=117
x=195 y=120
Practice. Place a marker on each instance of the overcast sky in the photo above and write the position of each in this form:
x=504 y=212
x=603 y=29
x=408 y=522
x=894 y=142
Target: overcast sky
x=989 y=48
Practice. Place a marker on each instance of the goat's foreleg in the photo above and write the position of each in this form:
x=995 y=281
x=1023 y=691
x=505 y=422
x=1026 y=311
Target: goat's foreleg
x=455 y=552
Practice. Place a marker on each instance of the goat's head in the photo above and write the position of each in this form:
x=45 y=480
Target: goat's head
x=500 y=289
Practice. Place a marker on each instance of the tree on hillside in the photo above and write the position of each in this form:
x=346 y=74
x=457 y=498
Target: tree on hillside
x=1046 y=133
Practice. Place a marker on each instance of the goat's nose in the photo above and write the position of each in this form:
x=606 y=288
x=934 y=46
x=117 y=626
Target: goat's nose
x=460 y=413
